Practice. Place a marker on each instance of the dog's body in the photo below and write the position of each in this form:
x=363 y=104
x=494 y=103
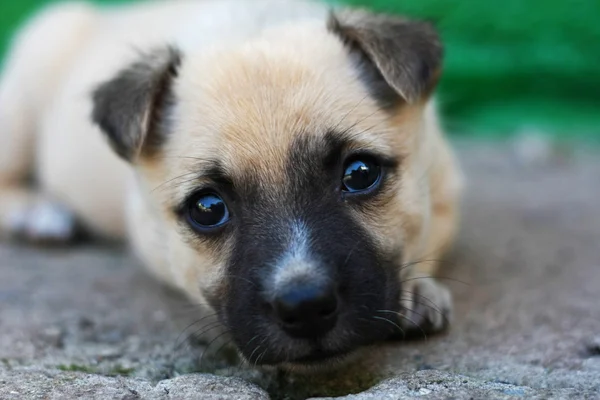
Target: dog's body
x=250 y=93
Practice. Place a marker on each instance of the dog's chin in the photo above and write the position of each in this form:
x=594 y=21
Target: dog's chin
x=320 y=361
x=316 y=360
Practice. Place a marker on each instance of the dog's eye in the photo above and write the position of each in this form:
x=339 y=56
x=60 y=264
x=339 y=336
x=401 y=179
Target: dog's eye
x=360 y=175
x=207 y=211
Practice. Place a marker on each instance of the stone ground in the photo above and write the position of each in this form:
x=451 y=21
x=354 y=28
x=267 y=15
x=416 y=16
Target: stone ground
x=87 y=322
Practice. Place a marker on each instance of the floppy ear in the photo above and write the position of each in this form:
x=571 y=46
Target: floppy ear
x=130 y=107
x=405 y=55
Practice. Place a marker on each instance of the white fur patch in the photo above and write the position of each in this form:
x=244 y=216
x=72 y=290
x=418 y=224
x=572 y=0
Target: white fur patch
x=297 y=263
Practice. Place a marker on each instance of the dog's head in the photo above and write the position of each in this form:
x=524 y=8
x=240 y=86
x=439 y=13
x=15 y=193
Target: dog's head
x=283 y=171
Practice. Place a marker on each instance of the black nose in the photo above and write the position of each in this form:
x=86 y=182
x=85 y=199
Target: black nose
x=307 y=310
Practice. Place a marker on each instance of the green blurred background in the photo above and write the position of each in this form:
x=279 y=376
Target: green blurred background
x=511 y=66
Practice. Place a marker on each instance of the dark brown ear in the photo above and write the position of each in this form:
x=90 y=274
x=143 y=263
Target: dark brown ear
x=406 y=54
x=130 y=107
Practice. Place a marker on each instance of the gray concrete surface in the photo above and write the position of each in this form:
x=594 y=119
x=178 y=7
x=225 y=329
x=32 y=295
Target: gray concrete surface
x=87 y=322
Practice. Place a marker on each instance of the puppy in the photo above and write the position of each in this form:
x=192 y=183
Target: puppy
x=278 y=161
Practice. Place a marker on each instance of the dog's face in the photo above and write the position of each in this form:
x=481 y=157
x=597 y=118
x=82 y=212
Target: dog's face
x=281 y=170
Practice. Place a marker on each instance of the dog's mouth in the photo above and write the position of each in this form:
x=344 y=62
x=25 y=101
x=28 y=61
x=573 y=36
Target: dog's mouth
x=315 y=358
x=263 y=340
x=321 y=356
x=275 y=348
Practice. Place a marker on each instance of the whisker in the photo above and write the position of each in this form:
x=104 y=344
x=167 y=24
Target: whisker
x=185 y=315
x=260 y=357
x=192 y=324
x=414 y=323
x=435 y=277
x=256 y=349
x=186 y=157
x=240 y=278
x=184 y=304
x=405 y=317
x=195 y=178
x=205 y=329
x=199 y=332
x=351 y=128
x=350 y=252
x=211 y=342
x=222 y=346
x=429 y=301
x=431 y=260
x=371 y=128
x=431 y=306
x=392 y=323
x=172 y=180
x=250 y=341
x=350 y=112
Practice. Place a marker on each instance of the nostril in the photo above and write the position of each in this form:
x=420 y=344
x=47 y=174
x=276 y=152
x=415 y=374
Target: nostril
x=329 y=305
x=328 y=309
x=288 y=319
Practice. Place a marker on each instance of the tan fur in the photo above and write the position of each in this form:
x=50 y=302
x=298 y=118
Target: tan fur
x=299 y=70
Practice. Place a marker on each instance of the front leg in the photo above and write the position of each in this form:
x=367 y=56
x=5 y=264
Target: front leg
x=425 y=306
x=33 y=217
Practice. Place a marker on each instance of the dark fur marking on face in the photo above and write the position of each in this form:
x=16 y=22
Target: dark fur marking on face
x=339 y=146
x=212 y=178
x=130 y=109
x=407 y=55
x=340 y=245
x=209 y=174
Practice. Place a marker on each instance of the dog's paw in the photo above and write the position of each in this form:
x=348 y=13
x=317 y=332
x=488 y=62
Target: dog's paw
x=425 y=307
x=45 y=223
